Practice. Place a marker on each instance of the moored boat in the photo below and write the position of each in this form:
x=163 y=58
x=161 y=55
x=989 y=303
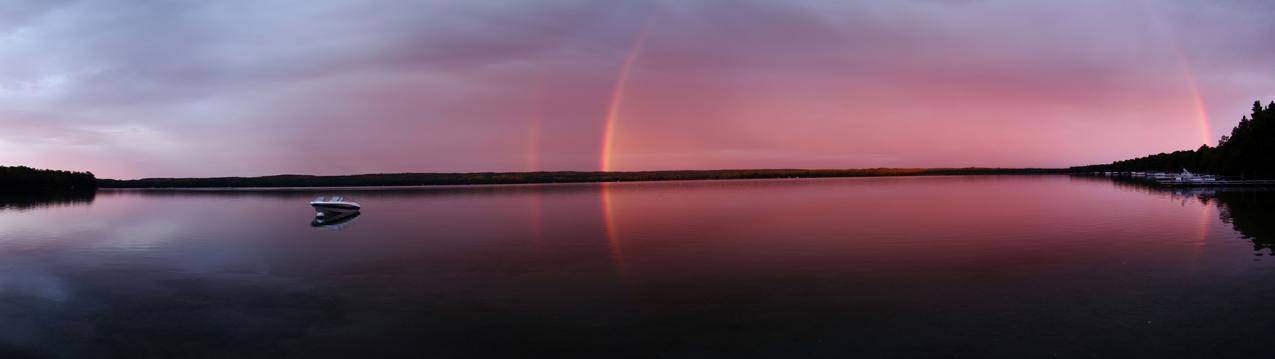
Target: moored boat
x=1186 y=177
x=336 y=204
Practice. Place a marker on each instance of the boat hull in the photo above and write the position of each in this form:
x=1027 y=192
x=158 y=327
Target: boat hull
x=335 y=208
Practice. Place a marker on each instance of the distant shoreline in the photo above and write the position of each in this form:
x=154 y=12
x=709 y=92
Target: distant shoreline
x=490 y=178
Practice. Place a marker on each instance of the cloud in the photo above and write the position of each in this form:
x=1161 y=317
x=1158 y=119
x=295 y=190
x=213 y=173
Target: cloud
x=249 y=88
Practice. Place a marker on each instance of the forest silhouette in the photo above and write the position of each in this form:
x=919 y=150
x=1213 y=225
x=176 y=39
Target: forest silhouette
x=1245 y=153
x=27 y=180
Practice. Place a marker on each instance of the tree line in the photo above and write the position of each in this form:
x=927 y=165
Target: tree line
x=420 y=179
x=27 y=180
x=1248 y=152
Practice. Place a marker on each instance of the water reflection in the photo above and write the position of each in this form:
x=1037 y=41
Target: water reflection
x=1252 y=214
x=31 y=201
x=334 y=221
x=987 y=266
x=1249 y=210
x=610 y=226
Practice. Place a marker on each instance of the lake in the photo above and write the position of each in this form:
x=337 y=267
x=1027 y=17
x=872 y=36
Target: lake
x=968 y=266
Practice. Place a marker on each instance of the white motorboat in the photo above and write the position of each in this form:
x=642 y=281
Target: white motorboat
x=1191 y=178
x=334 y=205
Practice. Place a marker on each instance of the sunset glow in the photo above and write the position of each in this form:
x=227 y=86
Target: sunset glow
x=638 y=178
x=238 y=88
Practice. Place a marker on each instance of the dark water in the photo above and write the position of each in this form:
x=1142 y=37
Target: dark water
x=1002 y=266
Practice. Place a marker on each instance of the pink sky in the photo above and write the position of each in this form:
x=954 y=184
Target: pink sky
x=132 y=90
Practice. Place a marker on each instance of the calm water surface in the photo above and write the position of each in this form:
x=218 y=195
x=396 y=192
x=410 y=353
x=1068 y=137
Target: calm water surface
x=1023 y=266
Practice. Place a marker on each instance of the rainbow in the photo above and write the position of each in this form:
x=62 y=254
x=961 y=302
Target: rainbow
x=608 y=146
x=617 y=96
x=1201 y=111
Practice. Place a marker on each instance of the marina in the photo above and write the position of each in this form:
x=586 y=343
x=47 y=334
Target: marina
x=1185 y=179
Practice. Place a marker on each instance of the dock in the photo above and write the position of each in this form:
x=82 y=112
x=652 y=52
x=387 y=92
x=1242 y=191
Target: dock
x=1218 y=183
x=1185 y=179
